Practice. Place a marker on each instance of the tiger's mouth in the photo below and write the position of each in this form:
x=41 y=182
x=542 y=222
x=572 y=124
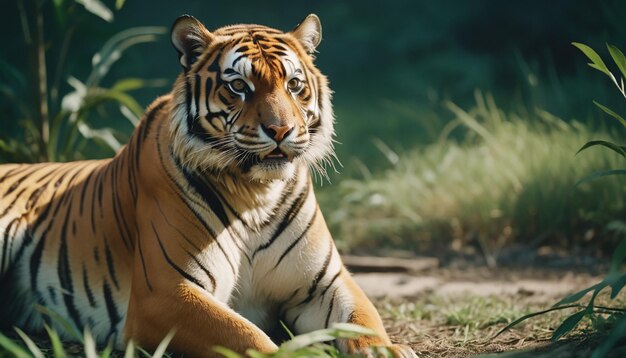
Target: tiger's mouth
x=276 y=155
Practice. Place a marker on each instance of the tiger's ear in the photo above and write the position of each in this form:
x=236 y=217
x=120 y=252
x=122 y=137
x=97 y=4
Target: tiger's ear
x=190 y=38
x=309 y=32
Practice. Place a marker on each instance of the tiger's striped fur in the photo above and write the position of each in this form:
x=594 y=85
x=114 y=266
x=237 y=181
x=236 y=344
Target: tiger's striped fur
x=206 y=222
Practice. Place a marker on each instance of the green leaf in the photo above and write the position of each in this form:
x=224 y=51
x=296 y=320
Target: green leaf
x=130 y=350
x=616 y=148
x=596 y=60
x=97 y=8
x=16 y=350
x=32 y=347
x=617 y=286
x=580 y=294
x=119 y=4
x=596 y=175
x=569 y=324
x=611 y=113
x=57 y=345
x=619 y=254
x=619 y=58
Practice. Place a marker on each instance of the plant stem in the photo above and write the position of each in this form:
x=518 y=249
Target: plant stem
x=42 y=81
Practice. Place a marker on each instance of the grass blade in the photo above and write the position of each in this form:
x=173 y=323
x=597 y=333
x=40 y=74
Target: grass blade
x=89 y=345
x=614 y=147
x=55 y=341
x=160 y=351
x=130 y=350
x=67 y=326
x=13 y=348
x=32 y=347
x=227 y=352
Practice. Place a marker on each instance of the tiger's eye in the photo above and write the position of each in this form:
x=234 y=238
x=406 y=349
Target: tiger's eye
x=294 y=85
x=238 y=85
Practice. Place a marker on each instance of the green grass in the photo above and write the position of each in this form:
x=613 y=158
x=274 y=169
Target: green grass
x=509 y=180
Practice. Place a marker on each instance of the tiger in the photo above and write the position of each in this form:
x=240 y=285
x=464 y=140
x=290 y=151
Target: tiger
x=205 y=224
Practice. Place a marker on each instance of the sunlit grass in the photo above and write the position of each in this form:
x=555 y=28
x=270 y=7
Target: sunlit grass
x=511 y=179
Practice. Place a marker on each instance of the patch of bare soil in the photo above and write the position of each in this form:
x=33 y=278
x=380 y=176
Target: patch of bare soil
x=456 y=312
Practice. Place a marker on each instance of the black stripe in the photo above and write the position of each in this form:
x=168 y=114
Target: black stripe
x=110 y=263
x=318 y=277
x=180 y=191
x=182 y=272
x=331 y=282
x=114 y=316
x=330 y=307
x=287 y=219
x=204 y=269
x=88 y=291
x=12 y=203
x=83 y=192
x=296 y=241
x=143 y=265
x=65 y=278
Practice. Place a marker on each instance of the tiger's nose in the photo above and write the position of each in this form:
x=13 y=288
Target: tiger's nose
x=277 y=132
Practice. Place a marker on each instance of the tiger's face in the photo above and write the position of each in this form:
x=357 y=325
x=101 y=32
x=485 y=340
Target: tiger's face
x=250 y=101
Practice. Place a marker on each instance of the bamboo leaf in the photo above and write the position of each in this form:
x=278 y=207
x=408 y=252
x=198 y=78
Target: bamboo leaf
x=569 y=324
x=601 y=174
x=619 y=254
x=614 y=147
x=618 y=57
x=531 y=315
x=97 y=8
x=617 y=286
x=116 y=45
x=596 y=60
x=119 y=4
x=580 y=294
x=611 y=113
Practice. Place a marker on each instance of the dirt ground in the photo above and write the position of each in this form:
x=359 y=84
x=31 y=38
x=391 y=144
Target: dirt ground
x=456 y=312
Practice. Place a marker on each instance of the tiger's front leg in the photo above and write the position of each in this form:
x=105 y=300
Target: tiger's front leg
x=170 y=294
x=332 y=296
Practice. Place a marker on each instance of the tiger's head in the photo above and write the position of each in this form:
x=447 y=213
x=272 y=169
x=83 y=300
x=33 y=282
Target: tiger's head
x=250 y=102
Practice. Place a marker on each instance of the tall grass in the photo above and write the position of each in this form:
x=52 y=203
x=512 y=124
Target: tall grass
x=509 y=180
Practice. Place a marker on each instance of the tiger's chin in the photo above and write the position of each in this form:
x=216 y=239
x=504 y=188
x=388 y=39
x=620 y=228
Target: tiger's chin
x=272 y=169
